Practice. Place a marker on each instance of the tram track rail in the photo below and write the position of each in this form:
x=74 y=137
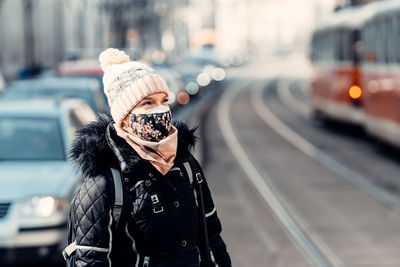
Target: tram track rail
x=312 y=247
x=313 y=151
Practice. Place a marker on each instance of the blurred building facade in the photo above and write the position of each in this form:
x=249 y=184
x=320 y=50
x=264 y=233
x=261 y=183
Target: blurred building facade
x=41 y=32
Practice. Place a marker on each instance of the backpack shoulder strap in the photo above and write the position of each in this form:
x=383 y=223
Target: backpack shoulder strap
x=189 y=171
x=193 y=171
x=196 y=179
x=118 y=196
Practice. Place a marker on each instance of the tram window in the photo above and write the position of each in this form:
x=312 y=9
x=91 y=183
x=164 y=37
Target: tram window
x=350 y=39
x=355 y=45
x=369 y=52
x=397 y=45
x=344 y=45
x=350 y=45
x=390 y=33
x=324 y=40
x=316 y=48
x=380 y=44
x=320 y=48
x=383 y=43
x=338 y=46
x=328 y=44
x=311 y=48
x=331 y=47
x=369 y=43
x=375 y=42
x=324 y=47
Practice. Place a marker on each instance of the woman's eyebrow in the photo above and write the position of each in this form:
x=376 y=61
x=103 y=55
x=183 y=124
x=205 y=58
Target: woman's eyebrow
x=146 y=98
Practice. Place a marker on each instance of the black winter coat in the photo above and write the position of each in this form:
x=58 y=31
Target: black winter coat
x=160 y=217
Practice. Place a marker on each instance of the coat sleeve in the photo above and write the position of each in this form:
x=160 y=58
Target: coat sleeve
x=214 y=228
x=92 y=223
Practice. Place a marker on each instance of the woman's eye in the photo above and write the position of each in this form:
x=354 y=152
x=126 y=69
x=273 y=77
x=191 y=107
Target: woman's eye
x=165 y=100
x=146 y=103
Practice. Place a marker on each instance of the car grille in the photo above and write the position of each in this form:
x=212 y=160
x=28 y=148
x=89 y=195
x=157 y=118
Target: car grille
x=4 y=209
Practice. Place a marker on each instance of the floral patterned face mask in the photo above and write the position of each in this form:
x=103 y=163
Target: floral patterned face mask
x=154 y=125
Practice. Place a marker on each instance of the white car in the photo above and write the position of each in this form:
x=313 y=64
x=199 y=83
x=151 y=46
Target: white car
x=37 y=180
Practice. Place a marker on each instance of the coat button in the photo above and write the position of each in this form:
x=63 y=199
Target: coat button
x=126 y=180
x=148 y=182
x=150 y=174
x=176 y=203
x=184 y=243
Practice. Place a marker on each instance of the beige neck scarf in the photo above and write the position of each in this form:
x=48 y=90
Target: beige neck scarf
x=160 y=154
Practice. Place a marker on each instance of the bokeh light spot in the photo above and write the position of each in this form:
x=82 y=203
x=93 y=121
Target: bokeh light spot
x=183 y=98
x=355 y=92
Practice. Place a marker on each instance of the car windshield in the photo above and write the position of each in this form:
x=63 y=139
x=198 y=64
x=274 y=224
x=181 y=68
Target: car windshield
x=30 y=139
x=84 y=94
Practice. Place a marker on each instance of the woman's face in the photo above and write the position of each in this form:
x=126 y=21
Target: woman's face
x=148 y=103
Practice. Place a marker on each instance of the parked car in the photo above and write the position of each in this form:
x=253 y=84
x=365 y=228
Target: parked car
x=37 y=180
x=84 y=88
x=87 y=68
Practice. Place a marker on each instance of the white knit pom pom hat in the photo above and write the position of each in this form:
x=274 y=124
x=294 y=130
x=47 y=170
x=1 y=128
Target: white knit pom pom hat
x=127 y=82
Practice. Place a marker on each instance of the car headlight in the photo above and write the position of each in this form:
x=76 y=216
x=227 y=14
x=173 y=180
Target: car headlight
x=42 y=207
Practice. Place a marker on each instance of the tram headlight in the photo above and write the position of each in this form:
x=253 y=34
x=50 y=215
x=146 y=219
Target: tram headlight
x=355 y=92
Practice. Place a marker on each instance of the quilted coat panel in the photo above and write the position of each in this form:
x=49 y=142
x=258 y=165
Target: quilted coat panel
x=92 y=213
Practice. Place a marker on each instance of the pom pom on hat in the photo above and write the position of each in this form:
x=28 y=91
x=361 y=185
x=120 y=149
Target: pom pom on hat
x=112 y=56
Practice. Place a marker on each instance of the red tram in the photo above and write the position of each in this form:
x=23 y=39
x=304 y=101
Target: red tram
x=356 y=60
x=336 y=86
x=381 y=72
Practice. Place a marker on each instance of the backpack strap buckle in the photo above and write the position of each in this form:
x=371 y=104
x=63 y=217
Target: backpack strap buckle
x=158 y=210
x=119 y=200
x=199 y=178
x=67 y=252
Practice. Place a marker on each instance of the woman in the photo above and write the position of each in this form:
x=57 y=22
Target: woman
x=160 y=223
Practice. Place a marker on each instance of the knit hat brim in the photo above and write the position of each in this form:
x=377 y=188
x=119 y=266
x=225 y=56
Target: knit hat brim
x=134 y=93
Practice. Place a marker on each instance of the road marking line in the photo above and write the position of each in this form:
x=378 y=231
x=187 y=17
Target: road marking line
x=266 y=190
x=290 y=101
x=306 y=147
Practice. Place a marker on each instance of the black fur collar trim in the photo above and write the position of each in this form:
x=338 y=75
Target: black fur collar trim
x=93 y=154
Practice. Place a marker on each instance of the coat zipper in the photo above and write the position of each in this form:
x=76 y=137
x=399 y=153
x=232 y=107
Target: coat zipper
x=146 y=261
